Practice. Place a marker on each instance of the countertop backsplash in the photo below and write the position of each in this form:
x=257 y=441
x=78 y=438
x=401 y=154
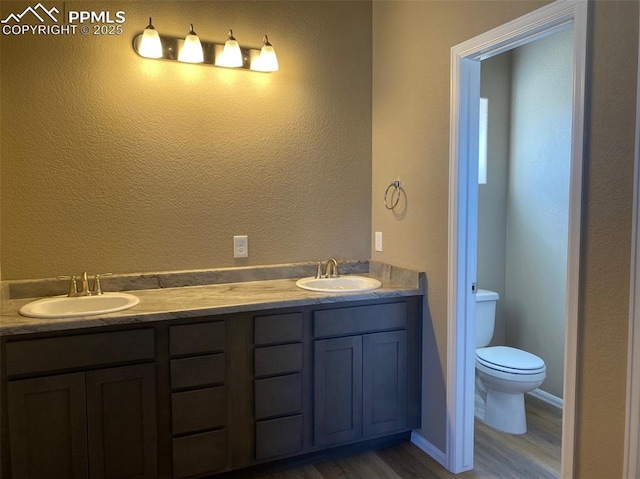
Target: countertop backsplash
x=185 y=294
x=35 y=288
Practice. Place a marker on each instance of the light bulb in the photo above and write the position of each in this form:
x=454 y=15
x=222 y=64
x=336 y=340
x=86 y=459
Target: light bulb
x=268 y=60
x=231 y=55
x=191 y=49
x=150 y=44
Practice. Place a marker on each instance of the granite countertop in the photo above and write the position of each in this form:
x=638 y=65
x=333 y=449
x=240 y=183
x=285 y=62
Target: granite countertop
x=204 y=300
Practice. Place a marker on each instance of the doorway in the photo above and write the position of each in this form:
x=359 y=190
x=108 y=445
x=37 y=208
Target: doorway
x=523 y=198
x=463 y=213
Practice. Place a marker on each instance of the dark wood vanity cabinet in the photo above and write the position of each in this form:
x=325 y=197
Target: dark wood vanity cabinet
x=195 y=397
x=278 y=385
x=361 y=377
x=334 y=375
x=199 y=407
x=94 y=422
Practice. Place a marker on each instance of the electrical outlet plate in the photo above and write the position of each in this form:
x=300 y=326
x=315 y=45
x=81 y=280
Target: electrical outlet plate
x=241 y=246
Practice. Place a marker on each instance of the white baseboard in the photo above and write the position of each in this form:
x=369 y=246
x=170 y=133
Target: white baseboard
x=441 y=457
x=429 y=448
x=548 y=398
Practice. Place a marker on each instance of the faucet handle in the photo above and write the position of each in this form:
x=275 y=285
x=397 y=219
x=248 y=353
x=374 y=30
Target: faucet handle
x=319 y=270
x=73 y=285
x=97 y=289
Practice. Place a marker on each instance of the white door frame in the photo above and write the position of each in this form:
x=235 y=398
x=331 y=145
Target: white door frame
x=463 y=211
x=632 y=434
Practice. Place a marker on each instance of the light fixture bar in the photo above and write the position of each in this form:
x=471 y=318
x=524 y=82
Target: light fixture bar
x=171 y=46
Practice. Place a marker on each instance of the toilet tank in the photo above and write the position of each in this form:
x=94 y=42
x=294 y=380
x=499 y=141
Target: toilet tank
x=485 y=316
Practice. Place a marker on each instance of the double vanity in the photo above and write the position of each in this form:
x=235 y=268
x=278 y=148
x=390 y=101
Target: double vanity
x=202 y=379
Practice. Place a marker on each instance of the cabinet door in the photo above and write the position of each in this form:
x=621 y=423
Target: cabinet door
x=121 y=415
x=337 y=395
x=47 y=427
x=384 y=382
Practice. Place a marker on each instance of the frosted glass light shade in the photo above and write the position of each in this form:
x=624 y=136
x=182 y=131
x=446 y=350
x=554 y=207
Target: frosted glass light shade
x=268 y=60
x=191 y=49
x=231 y=55
x=150 y=44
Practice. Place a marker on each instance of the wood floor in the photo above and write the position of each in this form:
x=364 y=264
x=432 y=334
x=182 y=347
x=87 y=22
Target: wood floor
x=534 y=455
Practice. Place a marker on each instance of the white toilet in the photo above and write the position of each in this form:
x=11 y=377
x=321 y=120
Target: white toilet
x=503 y=374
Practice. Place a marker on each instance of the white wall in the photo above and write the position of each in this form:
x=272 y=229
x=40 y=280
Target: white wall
x=538 y=199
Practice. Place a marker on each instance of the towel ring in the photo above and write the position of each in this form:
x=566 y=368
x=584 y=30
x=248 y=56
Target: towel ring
x=390 y=202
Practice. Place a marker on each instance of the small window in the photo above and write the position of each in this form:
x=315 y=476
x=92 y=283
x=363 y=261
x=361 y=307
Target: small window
x=482 y=137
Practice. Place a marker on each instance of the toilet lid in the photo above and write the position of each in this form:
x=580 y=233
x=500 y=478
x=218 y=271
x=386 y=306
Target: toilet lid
x=509 y=359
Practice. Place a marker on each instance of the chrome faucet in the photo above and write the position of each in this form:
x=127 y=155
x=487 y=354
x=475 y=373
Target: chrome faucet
x=330 y=269
x=84 y=289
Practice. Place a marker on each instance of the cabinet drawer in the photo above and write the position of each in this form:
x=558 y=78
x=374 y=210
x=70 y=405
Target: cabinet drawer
x=199 y=410
x=278 y=359
x=198 y=371
x=277 y=437
x=197 y=338
x=360 y=319
x=200 y=453
x=278 y=328
x=278 y=396
x=80 y=351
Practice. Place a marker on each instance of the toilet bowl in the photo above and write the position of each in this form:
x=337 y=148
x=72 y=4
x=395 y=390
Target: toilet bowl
x=503 y=374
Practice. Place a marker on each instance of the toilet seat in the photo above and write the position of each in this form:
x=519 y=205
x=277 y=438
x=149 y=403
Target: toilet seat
x=510 y=360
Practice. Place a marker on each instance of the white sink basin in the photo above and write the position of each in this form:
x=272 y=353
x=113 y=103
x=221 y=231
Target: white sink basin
x=342 y=284
x=66 y=307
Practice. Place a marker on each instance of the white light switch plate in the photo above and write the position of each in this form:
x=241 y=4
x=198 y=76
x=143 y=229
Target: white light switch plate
x=379 y=241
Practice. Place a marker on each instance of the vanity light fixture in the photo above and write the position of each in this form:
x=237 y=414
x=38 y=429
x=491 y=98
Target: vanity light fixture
x=231 y=55
x=268 y=60
x=191 y=49
x=150 y=44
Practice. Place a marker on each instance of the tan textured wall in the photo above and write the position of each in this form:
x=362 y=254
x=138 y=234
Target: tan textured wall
x=111 y=162
x=606 y=264
x=410 y=141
